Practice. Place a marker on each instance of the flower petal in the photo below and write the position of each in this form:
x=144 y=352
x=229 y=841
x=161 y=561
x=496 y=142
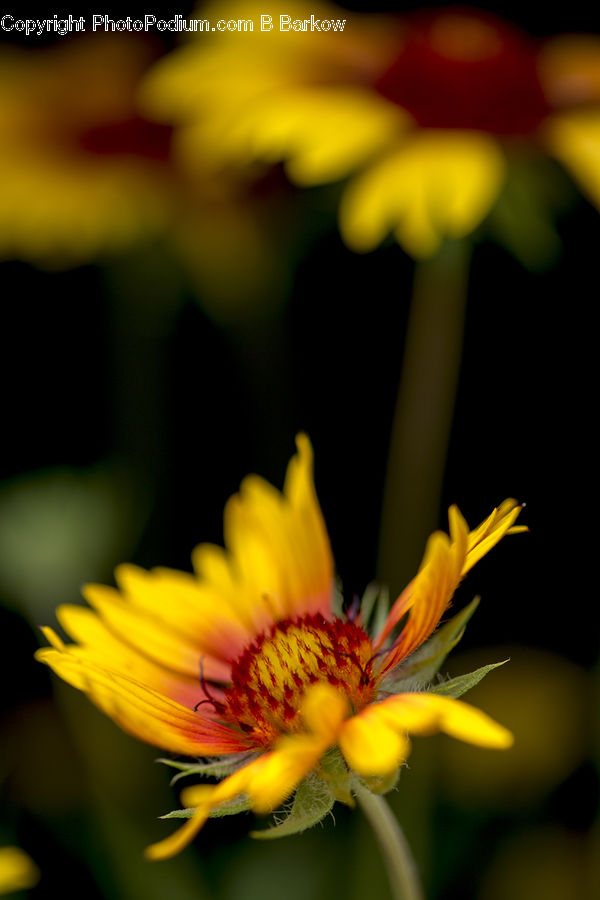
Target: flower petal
x=324 y=133
x=424 y=714
x=280 y=555
x=445 y=562
x=371 y=746
x=17 y=870
x=439 y=184
x=89 y=630
x=574 y=138
x=375 y=741
x=140 y=710
x=268 y=780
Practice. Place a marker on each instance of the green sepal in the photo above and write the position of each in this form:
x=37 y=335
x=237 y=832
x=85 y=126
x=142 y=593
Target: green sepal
x=313 y=800
x=218 y=768
x=231 y=808
x=374 y=608
x=458 y=686
x=335 y=772
x=422 y=665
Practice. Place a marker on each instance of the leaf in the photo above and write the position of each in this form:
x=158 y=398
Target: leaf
x=419 y=669
x=375 y=606
x=231 y=808
x=312 y=801
x=458 y=686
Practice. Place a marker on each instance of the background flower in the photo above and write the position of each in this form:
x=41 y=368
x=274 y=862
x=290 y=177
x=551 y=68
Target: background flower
x=424 y=112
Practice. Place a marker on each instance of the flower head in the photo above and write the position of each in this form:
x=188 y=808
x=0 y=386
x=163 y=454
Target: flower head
x=423 y=113
x=252 y=662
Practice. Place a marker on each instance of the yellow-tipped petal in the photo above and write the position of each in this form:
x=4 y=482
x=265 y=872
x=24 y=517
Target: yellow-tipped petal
x=440 y=184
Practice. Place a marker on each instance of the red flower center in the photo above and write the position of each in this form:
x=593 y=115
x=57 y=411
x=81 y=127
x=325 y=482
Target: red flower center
x=467 y=70
x=269 y=679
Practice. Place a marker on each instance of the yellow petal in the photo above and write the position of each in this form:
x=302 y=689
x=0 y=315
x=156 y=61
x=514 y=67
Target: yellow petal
x=370 y=745
x=423 y=714
x=105 y=648
x=445 y=562
x=139 y=709
x=280 y=555
x=323 y=133
x=574 y=138
x=439 y=184
x=17 y=871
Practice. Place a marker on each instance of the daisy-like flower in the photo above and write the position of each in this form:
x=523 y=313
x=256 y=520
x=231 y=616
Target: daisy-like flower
x=252 y=663
x=421 y=113
x=17 y=870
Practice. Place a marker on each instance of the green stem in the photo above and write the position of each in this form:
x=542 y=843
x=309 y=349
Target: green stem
x=424 y=410
x=399 y=861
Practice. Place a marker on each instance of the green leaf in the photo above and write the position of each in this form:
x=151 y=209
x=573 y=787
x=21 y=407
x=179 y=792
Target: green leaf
x=231 y=808
x=458 y=686
x=374 y=608
x=312 y=801
x=420 y=668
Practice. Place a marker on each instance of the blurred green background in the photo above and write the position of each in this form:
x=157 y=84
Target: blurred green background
x=138 y=392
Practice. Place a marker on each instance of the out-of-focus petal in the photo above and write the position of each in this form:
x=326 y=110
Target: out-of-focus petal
x=574 y=138
x=17 y=871
x=440 y=184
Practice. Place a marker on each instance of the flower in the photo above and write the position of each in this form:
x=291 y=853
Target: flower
x=82 y=172
x=251 y=660
x=84 y=175
x=17 y=871
x=424 y=113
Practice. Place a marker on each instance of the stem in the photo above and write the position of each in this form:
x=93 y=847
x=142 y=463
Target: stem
x=424 y=410
x=399 y=861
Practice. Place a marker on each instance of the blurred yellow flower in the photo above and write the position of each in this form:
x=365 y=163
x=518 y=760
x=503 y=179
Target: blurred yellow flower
x=252 y=660
x=80 y=172
x=420 y=112
x=83 y=175
x=17 y=870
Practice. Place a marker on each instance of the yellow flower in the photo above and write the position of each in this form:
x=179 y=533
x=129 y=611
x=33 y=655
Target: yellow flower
x=81 y=172
x=17 y=871
x=248 y=660
x=421 y=113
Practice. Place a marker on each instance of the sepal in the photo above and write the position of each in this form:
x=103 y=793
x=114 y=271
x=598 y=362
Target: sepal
x=231 y=808
x=458 y=686
x=217 y=768
x=374 y=608
x=421 y=666
x=312 y=801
